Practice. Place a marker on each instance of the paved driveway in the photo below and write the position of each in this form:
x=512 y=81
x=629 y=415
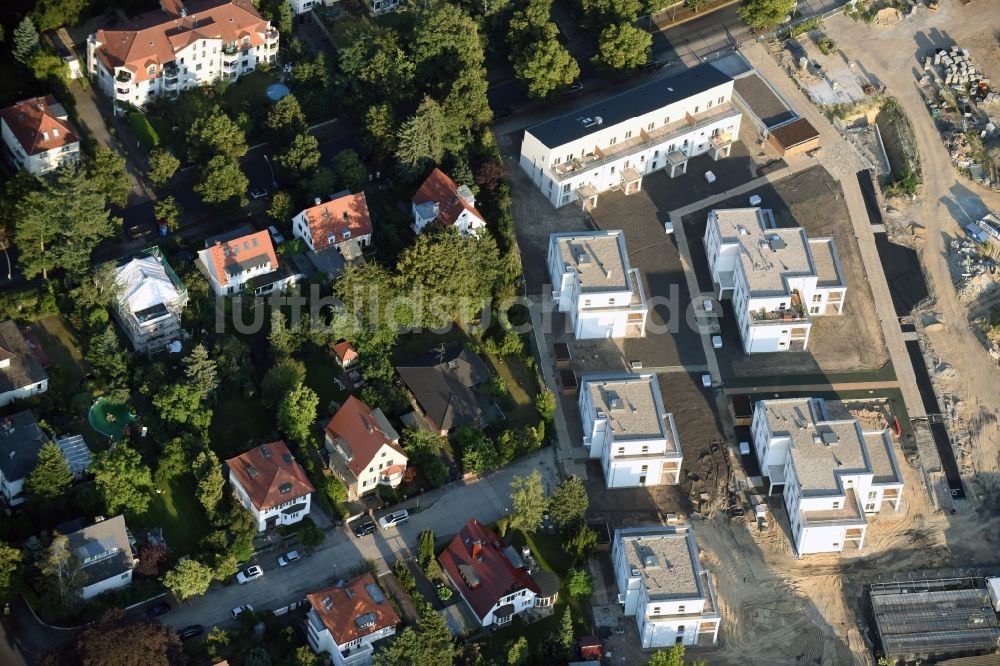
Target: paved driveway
x=485 y=500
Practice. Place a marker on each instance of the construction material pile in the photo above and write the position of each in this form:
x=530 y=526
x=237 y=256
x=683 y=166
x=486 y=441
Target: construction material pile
x=955 y=69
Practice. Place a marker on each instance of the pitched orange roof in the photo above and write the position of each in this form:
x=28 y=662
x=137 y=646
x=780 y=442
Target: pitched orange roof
x=440 y=189
x=329 y=221
x=238 y=253
x=353 y=610
x=37 y=126
x=154 y=37
x=345 y=352
x=270 y=475
x=363 y=433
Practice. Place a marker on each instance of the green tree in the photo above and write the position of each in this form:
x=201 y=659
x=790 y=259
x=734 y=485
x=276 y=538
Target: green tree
x=349 y=171
x=672 y=657
x=172 y=462
x=599 y=13
x=286 y=120
x=517 y=652
x=201 y=372
x=321 y=184
x=376 y=68
x=107 y=358
x=479 y=455
x=545 y=403
x=59 y=225
x=122 y=480
x=569 y=502
x=381 y=129
x=445 y=42
x=280 y=210
x=565 y=641
x=428 y=644
x=280 y=379
x=51 y=476
x=216 y=135
x=694 y=5
x=284 y=339
x=579 y=583
x=545 y=66
x=296 y=413
x=120 y=640
x=424 y=136
x=208 y=473
x=107 y=172
x=60 y=570
x=257 y=656
x=304 y=656
x=423 y=448
x=169 y=211
x=623 y=46
x=25 y=40
x=10 y=560
x=581 y=543
x=182 y=405
x=425 y=548
x=45 y=66
x=528 y=502
x=187 y=579
x=52 y=14
x=162 y=166
x=765 y=14
x=222 y=180
x=301 y=157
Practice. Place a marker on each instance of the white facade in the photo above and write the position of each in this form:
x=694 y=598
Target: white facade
x=626 y=427
x=661 y=583
x=466 y=223
x=11 y=489
x=40 y=163
x=276 y=512
x=613 y=144
x=359 y=650
x=777 y=278
x=102 y=586
x=22 y=392
x=831 y=474
x=593 y=281
x=377 y=7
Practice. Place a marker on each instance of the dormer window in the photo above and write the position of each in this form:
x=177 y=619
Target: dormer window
x=55 y=132
x=347 y=234
x=285 y=488
x=151 y=70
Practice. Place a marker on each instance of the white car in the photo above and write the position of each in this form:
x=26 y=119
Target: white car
x=716 y=342
x=706 y=381
x=393 y=519
x=239 y=610
x=288 y=558
x=258 y=193
x=709 y=176
x=276 y=235
x=249 y=574
x=708 y=305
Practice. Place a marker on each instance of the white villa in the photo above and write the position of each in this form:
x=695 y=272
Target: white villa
x=346 y=620
x=21 y=373
x=441 y=200
x=150 y=300
x=104 y=555
x=626 y=427
x=593 y=281
x=232 y=261
x=181 y=45
x=830 y=473
x=271 y=485
x=777 y=278
x=614 y=143
x=661 y=583
x=38 y=135
x=364 y=448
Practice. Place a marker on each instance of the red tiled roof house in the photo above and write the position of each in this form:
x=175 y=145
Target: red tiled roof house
x=491 y=579
x=346 y=620
x=179 y=46
x=440 y=200
x=345 y=353
x=271 y=485
x=343 y=222
x=38 y=135
x=364 y=448
x=229 y=264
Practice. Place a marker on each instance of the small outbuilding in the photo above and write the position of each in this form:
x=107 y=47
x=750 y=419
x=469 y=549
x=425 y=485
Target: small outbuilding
x=794 y=138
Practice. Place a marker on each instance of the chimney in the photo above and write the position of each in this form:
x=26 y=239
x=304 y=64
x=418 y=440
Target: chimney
x=477 y=550
x=172 y=7
x=317 y=201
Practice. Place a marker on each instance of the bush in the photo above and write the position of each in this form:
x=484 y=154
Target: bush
x=579 y=583
x=826 y=46
x=143 y=129
x=404 y=576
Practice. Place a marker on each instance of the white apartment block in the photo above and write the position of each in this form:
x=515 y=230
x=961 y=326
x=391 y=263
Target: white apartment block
x=593 y=281
x=614 y=143
x=777 y=278
x=345 y=621
x=38 y=135
x=626 y=427
x=661 y=583
x=830 y=473
x=179 y=46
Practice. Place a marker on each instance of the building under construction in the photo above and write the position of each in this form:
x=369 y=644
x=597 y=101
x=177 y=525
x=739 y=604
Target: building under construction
x=933 y=618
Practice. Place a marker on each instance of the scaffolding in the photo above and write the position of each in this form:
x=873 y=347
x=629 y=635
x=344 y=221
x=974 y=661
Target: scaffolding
x=934 y=617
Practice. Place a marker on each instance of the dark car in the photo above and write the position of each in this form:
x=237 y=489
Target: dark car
x=159 y=609
x=651 y=64
x=139 y=231
x=501 y=112
x=795 y=48
x=364 y=528
x=190 y=632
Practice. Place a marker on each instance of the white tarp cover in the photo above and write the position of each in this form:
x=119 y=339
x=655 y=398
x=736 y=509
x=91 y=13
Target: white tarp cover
x=145 y=283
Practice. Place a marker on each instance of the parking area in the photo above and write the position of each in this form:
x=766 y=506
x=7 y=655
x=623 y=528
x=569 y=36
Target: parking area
x=814 y=200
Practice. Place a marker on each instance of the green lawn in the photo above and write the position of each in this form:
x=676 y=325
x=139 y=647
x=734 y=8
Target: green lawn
x=179 y=513
x=249 y=93
x=61 y=345
x=235 y=422
x=522 y=387
x=322 y=373
x=143 y=129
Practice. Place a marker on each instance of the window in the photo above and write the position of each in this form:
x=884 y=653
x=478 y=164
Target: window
x=666 y=121
x=817 y=298
x=872 y=494
x=680 y=635
x=586 y=303
x=645 y=468
x=614 y=139
x=709 y=105
x=869 y=507
x=650 y=126
x=566 y=187
x=557 y=160
x=612 y=169
x=611 y=301
x=814 y=310
x=680 y=609
x=836 y=504
x=645 y=448
x=722 y=100
x=696 y=109
x=628 y=135
x=621 y=450
x=197 y=67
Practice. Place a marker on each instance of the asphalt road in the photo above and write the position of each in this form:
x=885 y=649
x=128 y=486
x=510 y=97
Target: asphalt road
x=444 y=511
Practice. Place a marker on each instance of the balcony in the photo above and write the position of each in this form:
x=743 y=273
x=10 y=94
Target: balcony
x=271 y=36
x=671 y=131
x=122 y=90
x=123 y=76
x=849 y=515
x=777 y=316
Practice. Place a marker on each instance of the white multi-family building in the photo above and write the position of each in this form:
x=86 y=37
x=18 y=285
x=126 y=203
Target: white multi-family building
x=38 y=135
x=442 y=201
x=661 y=583
x=179 y=46
x=614 y=143
x=364 y=448
x=271 y=485
x=104 y=556
x=831 y=474
x=232 y=261
x=150 y=300
x=346 y=620
x=626 y=427
x=593 y=281
x=777 y=278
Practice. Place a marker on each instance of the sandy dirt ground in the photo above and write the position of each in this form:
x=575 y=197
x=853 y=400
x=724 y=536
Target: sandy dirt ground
x=965 y=377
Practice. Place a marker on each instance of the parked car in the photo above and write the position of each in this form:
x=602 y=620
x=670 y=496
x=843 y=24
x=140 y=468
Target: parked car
x=139 y=231
x=191 y=631
x=239 y=610
x=393 y=519
x=288 y=558
x=576 y=86
x=258 y=192
x=276 y=235
x=363 y=528
x=159 y=609
x=651 y=64
x=501 y=112
x=249 y=574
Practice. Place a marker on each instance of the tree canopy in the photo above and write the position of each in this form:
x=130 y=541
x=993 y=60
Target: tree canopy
x=222 y=181
x=623 y=46
x=569 y=502
x=301 y=157
x=123 y=480
x=546 y=66
x=107 y=171
x=25 y=40
x=672 y=657
x=52 y=476
x=286 y=119
x=765 y=14
x=349 y=171
x=162 y=166
x=10 y=560
x=117 y=639
x=215 y=134
x=52 y=14
x=296 y=413
x=528 y=502
x=188 y=578
x=428 y=644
